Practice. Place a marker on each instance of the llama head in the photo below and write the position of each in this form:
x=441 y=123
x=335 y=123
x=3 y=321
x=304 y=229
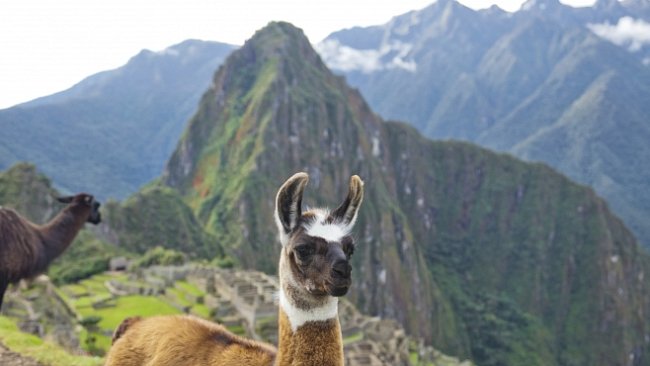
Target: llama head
x=316 y=244
x=85 y=202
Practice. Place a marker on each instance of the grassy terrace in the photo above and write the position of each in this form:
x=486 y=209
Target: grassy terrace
x=94 y=304
x=353 y=338
x=111 y=317
x=189 y=288
x=42 y=351
x=95 y=338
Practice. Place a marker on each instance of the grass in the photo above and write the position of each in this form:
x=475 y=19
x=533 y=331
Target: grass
x=42 y=351
x=201 y=310
x=96 y=284
x=76 y=290
x=413 y=358
x=353 y=338
x=238 y=330
x=179 y=296
x=126 y=306
x=134 y=305
x=189 y=288
x=82 y=295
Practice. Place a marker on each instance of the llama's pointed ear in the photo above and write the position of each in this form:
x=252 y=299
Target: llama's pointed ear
x=347 y=212
x=288 y=204
x=66 y=199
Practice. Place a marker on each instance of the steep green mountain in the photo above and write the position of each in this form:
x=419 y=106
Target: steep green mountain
x=112 y=132
x=157 y=216
x=566 y=86
x=506 y=262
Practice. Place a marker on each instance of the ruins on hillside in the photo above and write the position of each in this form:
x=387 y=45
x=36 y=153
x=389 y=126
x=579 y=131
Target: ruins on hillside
x=243 y=301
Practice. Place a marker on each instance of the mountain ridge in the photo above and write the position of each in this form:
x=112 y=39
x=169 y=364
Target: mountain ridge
x=112 y=132
x=528 y=83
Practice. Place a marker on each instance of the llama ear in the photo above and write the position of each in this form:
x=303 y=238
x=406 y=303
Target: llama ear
x=66 y=199
x=347 y=212
x=288 y=204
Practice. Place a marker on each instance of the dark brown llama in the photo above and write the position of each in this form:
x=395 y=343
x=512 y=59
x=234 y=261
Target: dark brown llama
x=26 y=249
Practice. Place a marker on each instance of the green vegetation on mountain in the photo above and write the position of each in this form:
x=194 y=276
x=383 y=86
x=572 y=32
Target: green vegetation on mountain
x=160 y=256
x=157 y=216
x=484 y=255
x=85 y=257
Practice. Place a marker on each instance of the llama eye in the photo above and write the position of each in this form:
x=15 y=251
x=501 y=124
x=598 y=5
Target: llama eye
x=303 y=252
x=348 y=249
x=348 y=246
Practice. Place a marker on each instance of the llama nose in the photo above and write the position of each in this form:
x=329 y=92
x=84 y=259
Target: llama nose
x=342 y=269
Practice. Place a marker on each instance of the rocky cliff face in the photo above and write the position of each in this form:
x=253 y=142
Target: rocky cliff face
x=482 y=254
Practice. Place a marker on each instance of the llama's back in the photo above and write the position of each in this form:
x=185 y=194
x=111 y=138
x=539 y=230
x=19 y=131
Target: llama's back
x=19 y=244
x=184 y=340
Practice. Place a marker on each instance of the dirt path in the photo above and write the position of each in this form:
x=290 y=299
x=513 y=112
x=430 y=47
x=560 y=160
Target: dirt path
x=8 y=358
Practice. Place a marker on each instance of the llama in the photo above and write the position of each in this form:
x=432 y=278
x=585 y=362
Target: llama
x=314 y=270
x=26 y=249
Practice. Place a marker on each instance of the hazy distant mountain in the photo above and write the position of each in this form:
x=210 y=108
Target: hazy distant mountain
x=113 y=131
x=567 y=86
x=506 y=262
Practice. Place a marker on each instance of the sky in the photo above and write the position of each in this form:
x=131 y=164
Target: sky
x=48 y=46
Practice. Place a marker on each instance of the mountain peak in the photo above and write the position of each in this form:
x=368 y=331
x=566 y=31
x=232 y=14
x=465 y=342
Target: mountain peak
x=442 y=7
x=277 y=42
x=540 y=5
x=259 y=84
x=495 y=9
x=278 y=37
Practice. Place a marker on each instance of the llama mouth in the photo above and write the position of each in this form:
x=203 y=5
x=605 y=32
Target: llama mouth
x=338 y=291
x=95 y=219
x=318 y=293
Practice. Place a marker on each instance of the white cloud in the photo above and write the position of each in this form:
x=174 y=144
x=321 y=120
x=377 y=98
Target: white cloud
x=629 y=32
x=169 y=51
x=345 y=58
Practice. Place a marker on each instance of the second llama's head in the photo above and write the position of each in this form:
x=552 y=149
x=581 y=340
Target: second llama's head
x=316 y=244
x=85 y=204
